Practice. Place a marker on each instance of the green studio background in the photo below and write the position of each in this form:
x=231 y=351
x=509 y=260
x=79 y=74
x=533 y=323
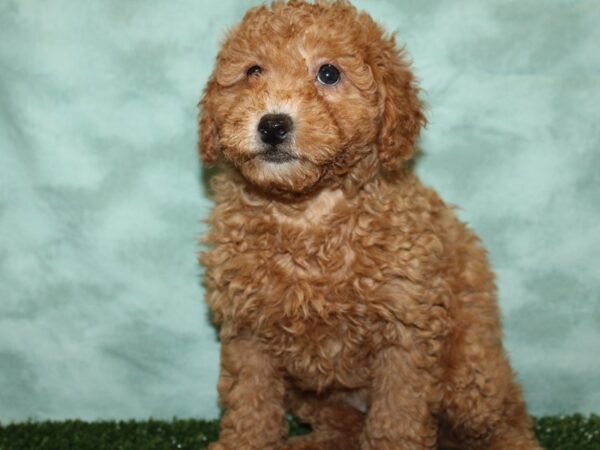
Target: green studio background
x=101 y=310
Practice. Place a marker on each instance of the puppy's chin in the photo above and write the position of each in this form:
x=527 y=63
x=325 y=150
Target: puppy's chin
x=290 y=176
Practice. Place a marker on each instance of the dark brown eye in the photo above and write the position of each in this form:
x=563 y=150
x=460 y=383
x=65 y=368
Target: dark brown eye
x=254 y=70
x=328 y=74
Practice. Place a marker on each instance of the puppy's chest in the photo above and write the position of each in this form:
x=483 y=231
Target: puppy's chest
x=313 y=314
x=308 y=268
x=307 y=292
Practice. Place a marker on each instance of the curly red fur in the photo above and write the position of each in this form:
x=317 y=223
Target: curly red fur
x=345 y=291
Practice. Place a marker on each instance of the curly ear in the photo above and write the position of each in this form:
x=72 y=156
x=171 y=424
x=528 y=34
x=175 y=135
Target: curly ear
x=403 y=114
x=208 y=142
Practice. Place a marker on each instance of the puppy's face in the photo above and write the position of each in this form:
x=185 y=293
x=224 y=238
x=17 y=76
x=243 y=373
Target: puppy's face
x=301 y=93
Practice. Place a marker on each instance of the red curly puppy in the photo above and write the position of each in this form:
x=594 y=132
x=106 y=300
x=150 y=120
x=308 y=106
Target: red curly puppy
x=345 y=291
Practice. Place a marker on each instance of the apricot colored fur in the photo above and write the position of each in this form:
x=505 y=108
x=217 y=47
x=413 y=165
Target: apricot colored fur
x=346 y=292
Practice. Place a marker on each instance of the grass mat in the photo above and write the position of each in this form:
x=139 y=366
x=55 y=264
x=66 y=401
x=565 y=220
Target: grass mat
x=574 y=432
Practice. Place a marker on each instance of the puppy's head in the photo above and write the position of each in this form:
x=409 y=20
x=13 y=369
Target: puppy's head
x=301 y=93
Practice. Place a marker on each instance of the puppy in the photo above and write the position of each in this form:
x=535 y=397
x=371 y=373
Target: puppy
x=346 y=292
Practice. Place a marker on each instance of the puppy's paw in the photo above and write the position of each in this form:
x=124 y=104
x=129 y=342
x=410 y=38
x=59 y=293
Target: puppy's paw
x=222 y=445
x=298 y=443
x=315 y=442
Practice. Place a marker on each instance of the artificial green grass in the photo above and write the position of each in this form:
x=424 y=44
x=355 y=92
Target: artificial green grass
x=574 y=432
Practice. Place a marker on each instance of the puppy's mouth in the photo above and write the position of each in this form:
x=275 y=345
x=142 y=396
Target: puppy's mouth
x=274 y=154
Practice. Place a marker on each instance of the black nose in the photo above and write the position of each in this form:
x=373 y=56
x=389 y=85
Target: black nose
x=274 y=128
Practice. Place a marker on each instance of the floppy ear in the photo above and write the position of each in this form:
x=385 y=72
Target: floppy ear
x=208 y=142
x=402 y=115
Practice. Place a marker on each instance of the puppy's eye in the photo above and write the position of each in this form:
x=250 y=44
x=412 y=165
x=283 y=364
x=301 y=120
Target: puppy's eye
x=254 y=70
x=328 y=74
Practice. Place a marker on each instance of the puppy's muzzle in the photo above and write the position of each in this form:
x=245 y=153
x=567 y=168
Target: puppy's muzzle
x=274 y=128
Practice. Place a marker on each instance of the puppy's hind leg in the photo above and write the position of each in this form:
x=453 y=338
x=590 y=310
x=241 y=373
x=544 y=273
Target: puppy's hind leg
x=483 y=406
x=491 y=425
x=335 y=422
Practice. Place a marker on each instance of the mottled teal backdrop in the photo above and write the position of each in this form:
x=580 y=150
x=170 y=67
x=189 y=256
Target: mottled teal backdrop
x=101 y=310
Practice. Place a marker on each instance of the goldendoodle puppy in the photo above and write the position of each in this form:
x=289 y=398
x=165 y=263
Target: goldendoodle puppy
x=346 y=292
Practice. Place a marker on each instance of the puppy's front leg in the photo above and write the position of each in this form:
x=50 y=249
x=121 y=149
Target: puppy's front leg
x=251 y=391
x=399 y=416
